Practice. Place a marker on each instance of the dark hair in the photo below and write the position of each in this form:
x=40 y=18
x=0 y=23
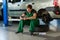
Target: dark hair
x=29 y=6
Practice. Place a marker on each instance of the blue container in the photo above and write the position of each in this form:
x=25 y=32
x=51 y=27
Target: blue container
x=5 y=12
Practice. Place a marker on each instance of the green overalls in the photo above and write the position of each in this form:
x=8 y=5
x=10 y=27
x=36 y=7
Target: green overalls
x=32 y=23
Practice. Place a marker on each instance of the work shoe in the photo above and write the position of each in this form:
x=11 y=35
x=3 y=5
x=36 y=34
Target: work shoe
x=18 y=32
x=31 y=33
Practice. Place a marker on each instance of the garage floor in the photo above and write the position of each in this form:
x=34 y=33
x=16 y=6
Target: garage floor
x=8 y=33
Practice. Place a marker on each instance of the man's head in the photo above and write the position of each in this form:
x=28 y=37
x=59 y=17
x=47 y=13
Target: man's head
x=29 y=8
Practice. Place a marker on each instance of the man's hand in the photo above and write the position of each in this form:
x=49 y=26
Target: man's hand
x=25 y=19
x=21 y=18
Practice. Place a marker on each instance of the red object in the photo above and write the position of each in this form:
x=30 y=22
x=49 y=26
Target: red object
x=57 y=12
x=55 y=2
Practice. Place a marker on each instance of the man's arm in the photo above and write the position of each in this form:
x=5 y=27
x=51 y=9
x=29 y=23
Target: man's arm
x=22 y=15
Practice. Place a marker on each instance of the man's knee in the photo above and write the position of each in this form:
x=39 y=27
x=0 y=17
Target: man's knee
x=21 y=22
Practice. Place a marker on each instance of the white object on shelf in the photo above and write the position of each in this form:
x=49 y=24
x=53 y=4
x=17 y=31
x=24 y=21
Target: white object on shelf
x=42 y=33
x=13 y=19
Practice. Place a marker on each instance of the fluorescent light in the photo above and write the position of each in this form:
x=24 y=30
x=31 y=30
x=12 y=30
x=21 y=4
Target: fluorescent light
x=1 y=1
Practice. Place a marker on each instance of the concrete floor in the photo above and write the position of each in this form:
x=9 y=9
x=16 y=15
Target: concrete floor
x=8 y=33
